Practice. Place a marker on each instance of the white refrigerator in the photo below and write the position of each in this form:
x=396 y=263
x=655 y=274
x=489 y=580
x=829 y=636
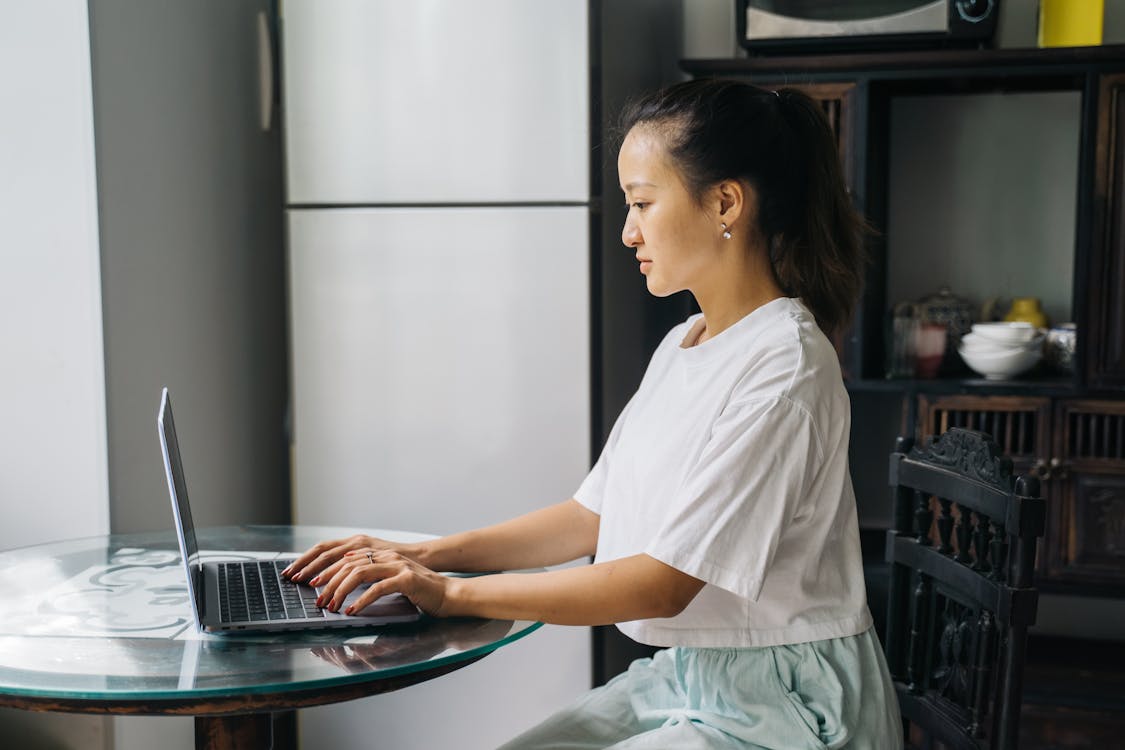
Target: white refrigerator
x=438 y=163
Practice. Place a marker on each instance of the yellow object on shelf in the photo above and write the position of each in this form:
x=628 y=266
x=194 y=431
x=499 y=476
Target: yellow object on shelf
x=1070 y=23
x=1027 y=310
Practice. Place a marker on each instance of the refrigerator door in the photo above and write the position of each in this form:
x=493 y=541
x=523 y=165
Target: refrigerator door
x=436 y=101
x=440 y=363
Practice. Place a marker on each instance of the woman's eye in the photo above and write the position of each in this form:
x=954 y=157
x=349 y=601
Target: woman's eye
x=639 y=205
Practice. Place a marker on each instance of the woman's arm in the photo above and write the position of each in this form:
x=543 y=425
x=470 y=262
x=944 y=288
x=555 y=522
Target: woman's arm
x=631 y=588
x=556 y=534
x=627 y=589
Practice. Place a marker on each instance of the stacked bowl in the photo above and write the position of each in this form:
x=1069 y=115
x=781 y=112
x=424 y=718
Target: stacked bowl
x=999 y=351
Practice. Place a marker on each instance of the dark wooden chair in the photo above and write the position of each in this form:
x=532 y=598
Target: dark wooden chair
x=961 y=594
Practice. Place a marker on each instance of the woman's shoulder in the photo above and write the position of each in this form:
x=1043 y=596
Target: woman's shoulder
x=788 y=355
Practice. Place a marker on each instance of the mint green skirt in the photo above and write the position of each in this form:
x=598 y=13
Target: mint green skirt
x=824 y=694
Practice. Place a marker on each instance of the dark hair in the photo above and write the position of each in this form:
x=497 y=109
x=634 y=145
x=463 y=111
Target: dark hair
x=782 y=145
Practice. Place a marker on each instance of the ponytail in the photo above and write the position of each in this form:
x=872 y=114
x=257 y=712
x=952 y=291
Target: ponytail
x=820 y=257
x=780 y=143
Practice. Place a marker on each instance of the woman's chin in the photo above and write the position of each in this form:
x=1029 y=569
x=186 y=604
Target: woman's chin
x=656 y=289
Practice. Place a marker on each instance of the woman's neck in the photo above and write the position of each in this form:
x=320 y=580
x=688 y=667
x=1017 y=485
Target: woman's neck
x=739 y=288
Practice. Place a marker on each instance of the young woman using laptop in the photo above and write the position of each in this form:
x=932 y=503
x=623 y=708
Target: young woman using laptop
x=720 y=514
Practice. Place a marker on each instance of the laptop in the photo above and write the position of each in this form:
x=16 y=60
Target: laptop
x=249 y=596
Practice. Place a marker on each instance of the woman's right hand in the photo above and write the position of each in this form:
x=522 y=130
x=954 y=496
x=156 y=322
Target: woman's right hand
x=324 y=554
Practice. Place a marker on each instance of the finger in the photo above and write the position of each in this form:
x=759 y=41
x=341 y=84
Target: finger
x=382 y=587
x=309 y=555
x=329 y=583
x=317 y=559
x=325 y=555
x=353 y=576
x=330 y=572
x=351 y=558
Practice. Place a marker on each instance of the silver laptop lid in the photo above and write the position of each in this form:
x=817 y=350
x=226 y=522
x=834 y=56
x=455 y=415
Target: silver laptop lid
x=181 y=510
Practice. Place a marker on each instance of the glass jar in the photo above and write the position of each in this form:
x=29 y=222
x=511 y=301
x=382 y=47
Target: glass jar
x=957 y=314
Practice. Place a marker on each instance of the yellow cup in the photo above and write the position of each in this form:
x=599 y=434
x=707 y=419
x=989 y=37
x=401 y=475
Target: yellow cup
x=1070 y=23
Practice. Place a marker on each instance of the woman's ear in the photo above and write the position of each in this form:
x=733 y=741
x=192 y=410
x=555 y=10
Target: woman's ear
x=732 y=196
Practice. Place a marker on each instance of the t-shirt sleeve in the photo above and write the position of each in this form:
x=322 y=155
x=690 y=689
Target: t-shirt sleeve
x=591 y=492
x=735 y=504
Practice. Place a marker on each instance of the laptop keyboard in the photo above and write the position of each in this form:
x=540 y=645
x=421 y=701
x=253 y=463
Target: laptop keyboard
x=252 y=591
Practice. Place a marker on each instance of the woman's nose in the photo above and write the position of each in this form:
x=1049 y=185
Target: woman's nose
x=630 y=235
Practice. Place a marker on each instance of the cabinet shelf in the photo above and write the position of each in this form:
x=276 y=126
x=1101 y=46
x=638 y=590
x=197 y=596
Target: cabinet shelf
x=939 y=63
x=1060 y=386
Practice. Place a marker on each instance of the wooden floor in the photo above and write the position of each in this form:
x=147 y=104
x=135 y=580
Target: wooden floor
x=1074 y=694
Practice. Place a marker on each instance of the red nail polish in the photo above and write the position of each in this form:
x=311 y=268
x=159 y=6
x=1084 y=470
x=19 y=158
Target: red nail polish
x=349 y=611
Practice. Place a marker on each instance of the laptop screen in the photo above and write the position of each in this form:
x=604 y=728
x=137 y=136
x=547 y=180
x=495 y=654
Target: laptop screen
x=177 y=488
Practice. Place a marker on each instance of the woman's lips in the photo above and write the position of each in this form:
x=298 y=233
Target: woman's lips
x=645 y=264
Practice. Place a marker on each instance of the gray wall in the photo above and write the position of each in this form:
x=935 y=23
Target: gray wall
x=190 y=208
x=190 y=204
x=983 y=193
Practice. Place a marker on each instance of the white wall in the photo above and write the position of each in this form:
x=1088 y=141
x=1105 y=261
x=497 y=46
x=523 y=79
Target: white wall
x=53 y=475
x=53 y=479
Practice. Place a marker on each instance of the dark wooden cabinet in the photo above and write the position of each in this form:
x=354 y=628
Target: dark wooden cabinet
x=1077 y=448
x=1020 y=425
x=1086 y=478
x=1105 y=313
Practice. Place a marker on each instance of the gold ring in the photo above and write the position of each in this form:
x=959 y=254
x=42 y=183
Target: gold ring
x=370 y=557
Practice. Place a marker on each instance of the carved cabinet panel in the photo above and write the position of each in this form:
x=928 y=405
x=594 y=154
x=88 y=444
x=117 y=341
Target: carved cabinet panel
x=1077 y=449
x=1087 y=482
x=1018 y=424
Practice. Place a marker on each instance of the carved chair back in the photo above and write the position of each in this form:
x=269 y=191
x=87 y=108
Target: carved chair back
x=961 y=599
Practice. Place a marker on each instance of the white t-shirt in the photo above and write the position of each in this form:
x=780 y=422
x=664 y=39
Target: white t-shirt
x=730 y=463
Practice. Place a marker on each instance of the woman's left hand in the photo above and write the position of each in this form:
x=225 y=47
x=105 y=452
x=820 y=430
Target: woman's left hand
x=388 y=572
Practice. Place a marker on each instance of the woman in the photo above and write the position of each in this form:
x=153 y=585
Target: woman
x=721 y=512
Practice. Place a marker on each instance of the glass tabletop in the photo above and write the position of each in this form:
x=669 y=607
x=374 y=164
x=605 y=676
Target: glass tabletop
x=108 y=618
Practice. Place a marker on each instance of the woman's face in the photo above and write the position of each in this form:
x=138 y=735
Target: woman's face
x=674 y=239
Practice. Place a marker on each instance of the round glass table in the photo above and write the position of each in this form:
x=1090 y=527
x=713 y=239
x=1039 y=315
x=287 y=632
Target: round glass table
x=104 y=625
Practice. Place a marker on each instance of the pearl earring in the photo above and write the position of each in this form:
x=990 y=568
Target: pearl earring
x=726 y=232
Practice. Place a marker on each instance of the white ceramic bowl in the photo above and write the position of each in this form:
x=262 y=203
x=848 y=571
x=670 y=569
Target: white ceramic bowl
x=1006 y=332
x=1000 y=365
x=980 y=343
